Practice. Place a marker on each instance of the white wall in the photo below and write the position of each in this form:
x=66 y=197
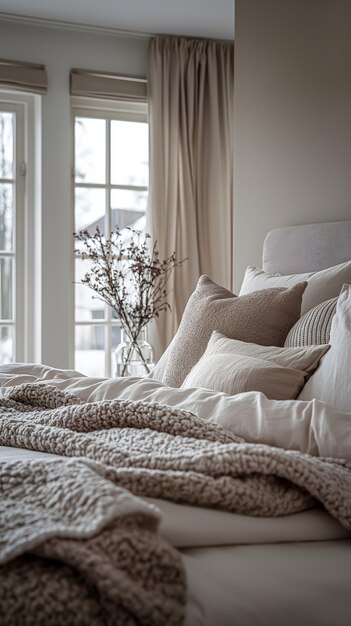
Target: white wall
x=60 y=50
x=292 y=118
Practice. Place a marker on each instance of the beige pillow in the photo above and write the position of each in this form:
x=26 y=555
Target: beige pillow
x=313 y=328
x=321 y=286
x=332 y=380
x=264 y=317
x=233 y=366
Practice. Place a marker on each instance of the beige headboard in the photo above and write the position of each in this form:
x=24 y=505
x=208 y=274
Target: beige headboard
x=307 y=248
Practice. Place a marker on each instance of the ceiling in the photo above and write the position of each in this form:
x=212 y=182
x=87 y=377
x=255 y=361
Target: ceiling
x=196 y=18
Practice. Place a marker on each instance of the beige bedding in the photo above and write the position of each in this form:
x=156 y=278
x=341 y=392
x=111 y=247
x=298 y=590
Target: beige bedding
x=313 y=427
x=186 y=526
x=242 y=570
x=156 y=451
x=281 y=584
x=247 y=571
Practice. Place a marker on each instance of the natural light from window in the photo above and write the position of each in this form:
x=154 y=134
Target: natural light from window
x=110 y=189
x=7 y=248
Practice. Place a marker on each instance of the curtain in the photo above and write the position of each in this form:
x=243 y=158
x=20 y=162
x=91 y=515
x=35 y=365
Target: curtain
x=191 y=91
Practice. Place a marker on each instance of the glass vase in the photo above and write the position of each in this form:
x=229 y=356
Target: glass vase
x=134 y=358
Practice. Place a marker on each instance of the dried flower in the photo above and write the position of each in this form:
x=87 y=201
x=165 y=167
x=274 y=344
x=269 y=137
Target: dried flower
x=127 y=275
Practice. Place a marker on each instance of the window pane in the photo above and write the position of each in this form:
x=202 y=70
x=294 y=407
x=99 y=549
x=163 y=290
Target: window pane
x=90 y=350
x=128 y=208
x=89 y=210
x=116 y=336
x=6 y=216
x=7 y=121
x=129 y=153
x=6 y=289
x=90 y=150
x=88 y=308
x=6 y=344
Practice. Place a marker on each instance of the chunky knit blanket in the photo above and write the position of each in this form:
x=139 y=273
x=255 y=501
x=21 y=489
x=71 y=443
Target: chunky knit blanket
x=76 y=549
x=161 y=452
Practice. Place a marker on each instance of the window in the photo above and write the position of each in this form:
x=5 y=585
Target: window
x=16 y=298
x=110 y=189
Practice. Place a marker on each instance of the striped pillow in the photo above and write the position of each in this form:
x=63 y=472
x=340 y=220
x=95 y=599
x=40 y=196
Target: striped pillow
x=313 y=328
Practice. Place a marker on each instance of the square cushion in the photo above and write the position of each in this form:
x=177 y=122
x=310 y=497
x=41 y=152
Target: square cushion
x=233 y=367
x=321 y=286
x=332 y=380
x=264 y=317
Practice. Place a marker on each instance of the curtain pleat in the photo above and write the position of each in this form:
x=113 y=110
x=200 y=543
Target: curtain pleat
x=191 y=91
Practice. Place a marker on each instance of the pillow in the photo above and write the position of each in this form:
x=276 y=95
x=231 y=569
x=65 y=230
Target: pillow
x=313 y=328
x=158 y=371
x=321 y=285
x=264 y=317
x=332 y=381
x=233 y=366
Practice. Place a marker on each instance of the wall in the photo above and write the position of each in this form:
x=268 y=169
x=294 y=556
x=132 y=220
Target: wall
x=60 y=50
x=292 y=118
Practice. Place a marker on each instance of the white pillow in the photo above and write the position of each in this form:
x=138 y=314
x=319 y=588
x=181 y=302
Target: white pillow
x=158 y=371
x=321 y=286
x=233 y=367
x=332 y=380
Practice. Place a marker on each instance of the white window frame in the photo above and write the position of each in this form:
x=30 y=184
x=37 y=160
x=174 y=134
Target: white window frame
x=108 y=110
x=27 y=224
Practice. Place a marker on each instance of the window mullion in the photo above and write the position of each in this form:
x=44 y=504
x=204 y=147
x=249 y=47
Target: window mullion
x=8 y=255
x=108 y=177
x=108 y=225
x=111 y=186
x=20 y=282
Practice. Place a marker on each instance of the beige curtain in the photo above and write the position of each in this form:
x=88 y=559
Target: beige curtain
x=191 y=90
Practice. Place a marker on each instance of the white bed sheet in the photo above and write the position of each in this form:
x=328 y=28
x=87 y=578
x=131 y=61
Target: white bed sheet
x=313 y=427
x=287 y=584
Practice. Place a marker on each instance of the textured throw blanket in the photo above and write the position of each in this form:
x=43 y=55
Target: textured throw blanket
x=76 y=549
x=160 y=452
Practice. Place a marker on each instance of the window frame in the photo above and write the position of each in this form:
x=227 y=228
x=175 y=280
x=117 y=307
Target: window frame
x=27 y=259
x=108 y=110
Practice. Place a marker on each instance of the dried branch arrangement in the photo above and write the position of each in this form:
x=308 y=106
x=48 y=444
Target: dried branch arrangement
x=129 y=275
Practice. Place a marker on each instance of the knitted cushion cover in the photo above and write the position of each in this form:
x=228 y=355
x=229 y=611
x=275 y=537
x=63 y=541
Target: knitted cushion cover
x=313 y=328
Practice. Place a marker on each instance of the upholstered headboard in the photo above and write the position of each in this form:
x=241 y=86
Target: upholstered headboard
x=307 y=248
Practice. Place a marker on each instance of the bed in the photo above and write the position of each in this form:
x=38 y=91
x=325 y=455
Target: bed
x=240 y=569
